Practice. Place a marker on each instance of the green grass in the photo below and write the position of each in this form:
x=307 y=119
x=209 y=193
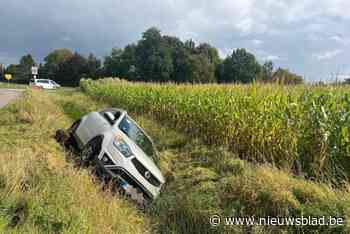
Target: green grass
x=41 y=191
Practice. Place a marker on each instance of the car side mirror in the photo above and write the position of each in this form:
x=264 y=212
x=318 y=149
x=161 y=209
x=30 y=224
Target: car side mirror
x=110 y=117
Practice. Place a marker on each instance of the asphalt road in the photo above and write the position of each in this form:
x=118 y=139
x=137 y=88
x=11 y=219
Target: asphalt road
x=8 y=95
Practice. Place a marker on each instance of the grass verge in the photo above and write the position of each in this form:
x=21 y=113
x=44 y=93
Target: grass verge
x=42 y=192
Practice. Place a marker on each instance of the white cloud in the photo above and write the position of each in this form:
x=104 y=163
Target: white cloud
x=326 y=55
x=257 y=42
x=273 y=57
x=224 y=52
x=340 y=39
x=66 y=39
x=245 y=25
x=263 y=55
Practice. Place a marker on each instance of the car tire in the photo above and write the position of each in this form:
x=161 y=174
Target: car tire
x=60 y=136
x=71 y=141
x=90 y=151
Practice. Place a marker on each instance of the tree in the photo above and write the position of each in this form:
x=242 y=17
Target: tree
x=27 y=61
x=93 y=66
x=58 y=56
x=53 y=62
x=121 y=63
x=284 y=76
x=12 y=69
x=190 y=45
x=2 y=71
x=153 y=57
x=128 y=63
x=21 y=72
x=178 y=54
x=266 y=71
x=112 y=63
x=198 y=69
x=220 y=72
x=72 y=70
x=24 y=69
x=346 y=81
x=241 y=66
x=211 y=53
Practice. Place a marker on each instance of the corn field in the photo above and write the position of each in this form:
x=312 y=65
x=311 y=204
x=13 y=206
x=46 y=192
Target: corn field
x=279 y=125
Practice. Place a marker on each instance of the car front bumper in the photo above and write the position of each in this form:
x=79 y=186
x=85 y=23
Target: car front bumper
x=114 y=170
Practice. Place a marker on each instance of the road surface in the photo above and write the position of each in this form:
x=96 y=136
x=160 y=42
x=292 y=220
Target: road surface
x=8 y=95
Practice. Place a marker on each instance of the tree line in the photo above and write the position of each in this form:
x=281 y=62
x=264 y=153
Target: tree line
x=155 y=58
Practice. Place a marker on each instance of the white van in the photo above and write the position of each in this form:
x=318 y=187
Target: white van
x=44 y=83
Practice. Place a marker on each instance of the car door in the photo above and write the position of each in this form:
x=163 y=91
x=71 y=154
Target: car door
x=93 y=125
x=44 y=84
x=52 y=85
x=41 y=84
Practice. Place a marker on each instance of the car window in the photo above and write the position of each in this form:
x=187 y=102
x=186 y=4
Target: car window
x=43 y=81
x=130 y=129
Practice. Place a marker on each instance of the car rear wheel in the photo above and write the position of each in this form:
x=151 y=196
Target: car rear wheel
x=90 y=151
x=71 y=141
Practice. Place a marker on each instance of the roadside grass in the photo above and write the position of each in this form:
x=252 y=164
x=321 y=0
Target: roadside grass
x=41 y=192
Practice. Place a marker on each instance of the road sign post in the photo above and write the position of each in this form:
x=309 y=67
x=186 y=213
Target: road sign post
x=8 y=77
x=34 y=71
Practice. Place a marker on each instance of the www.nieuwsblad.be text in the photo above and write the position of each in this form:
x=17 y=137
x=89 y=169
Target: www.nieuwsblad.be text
x=217 y=220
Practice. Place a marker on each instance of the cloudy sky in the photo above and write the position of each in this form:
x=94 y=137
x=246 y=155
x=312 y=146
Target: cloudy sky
x=310 y=37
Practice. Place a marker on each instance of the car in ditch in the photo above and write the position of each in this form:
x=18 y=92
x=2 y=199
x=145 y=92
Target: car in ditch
x=121 y=150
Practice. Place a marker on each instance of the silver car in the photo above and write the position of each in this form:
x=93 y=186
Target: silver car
x=121 y=150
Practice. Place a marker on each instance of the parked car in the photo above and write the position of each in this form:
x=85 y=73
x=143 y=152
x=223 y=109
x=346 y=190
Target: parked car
x=44 y=83
x=120 y=149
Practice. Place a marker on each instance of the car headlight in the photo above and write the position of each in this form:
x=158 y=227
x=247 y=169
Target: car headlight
x=122 y=147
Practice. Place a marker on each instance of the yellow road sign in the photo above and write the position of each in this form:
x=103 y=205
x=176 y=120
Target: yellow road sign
x=8 y=76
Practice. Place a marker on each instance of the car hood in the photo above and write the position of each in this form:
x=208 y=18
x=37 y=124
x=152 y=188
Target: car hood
x=145 y=160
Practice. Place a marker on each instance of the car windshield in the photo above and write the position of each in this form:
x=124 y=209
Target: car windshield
x=136 y=134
